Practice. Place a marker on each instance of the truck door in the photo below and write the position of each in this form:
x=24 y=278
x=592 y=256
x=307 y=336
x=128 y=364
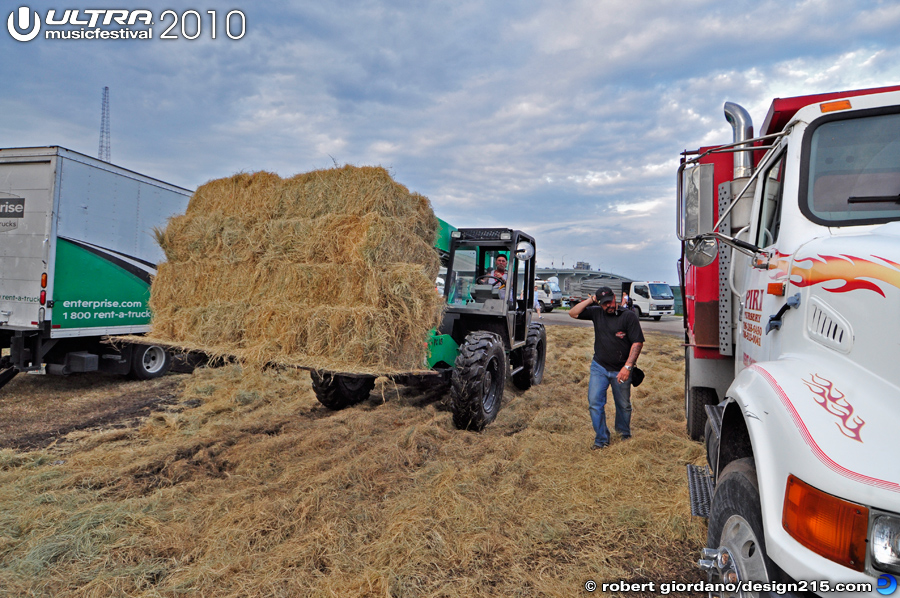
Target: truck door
x=26 y=205
x=756 y=302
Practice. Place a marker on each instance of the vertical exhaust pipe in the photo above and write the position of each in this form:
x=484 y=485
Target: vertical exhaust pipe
x=742 y=125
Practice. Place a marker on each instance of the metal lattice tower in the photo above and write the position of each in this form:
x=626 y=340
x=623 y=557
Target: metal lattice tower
x=104 y=153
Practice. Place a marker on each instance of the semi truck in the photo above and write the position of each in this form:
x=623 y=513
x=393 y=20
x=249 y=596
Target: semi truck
x=77 y=253
x=790 y=273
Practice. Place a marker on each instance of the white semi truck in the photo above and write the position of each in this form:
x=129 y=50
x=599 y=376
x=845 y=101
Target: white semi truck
x=77 y=253
x=791 y=280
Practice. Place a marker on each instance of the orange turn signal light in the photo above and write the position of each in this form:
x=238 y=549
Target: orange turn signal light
x=835 y=106
x=44 y=280
x=827 y=525
x=776 y=288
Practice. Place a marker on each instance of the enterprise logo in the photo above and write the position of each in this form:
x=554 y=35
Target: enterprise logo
x=12 y=209
x=24 y=25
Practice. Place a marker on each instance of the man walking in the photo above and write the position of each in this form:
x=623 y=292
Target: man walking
x=618 y=341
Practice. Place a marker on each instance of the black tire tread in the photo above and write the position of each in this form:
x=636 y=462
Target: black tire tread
x=334 y=394
x=466 y=382
x=533 y=359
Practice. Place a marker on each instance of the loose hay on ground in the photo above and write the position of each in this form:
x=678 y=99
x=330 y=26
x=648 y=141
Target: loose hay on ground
x=332 y=269
x=257 y=490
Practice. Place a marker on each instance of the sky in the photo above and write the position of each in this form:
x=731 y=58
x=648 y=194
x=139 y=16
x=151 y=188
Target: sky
x=564 y=119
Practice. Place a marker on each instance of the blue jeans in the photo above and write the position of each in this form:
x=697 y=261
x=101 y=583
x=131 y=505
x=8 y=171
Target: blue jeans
x=601 y=379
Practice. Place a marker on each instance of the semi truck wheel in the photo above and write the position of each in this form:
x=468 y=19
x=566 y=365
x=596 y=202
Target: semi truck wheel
x=478 y=380
x=735 y=524
x=534 y=356
x=336 y=391
x=696 y=399
x=149 y=361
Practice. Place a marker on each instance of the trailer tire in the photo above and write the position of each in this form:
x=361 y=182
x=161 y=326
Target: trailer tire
x=735 y=523
x=478 y=380
x=149 y=362
x=533 y=358
x=337 y=392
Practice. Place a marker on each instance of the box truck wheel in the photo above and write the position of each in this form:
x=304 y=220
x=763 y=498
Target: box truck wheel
x=735 y=526
x=149 y=361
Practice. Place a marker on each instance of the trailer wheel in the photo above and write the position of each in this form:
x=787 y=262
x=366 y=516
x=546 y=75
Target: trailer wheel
x=336 y=391
x=735 y=525
x=534 y=356
x=478 y=380
x=149 y=361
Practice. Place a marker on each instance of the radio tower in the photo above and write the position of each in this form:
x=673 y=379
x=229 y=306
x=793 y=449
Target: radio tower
x=104 y=153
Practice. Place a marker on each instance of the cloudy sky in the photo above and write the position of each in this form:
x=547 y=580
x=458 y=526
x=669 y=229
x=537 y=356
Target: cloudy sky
x=562 y=118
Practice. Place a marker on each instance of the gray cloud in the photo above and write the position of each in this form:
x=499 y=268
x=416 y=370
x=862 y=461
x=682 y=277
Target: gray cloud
x=564 y=119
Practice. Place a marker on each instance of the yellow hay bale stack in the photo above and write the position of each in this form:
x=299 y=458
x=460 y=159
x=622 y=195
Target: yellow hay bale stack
x=332 y=269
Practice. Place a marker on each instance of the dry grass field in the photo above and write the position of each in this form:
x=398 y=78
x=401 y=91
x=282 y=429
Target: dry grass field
x=239 y=484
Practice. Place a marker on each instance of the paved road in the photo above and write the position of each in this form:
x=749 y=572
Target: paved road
x=667 y=325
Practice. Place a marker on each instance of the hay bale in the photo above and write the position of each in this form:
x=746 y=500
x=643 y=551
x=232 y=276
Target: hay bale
x=333 y=269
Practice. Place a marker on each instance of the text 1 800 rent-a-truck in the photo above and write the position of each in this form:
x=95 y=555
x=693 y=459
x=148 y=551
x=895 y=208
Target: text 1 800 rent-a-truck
x=77 y=251
x=791 y=279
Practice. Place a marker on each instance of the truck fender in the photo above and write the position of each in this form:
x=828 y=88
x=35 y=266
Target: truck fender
x=770 y=415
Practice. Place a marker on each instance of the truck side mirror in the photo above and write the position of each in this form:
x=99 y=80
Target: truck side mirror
x=695 y=213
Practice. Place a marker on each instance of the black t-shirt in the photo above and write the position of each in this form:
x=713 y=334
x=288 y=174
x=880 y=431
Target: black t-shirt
x=613 y=335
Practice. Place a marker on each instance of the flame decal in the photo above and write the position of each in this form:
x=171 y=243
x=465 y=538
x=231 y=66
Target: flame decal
x=835 y=403
x=856 y=273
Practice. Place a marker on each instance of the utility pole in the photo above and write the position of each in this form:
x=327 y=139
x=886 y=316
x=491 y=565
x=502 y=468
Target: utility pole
x=104 y=152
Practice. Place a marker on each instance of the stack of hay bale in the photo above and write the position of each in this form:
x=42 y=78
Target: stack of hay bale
x=333 y=270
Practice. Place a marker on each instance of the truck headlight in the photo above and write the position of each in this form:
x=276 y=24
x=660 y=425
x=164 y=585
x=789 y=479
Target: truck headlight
x=885 y=543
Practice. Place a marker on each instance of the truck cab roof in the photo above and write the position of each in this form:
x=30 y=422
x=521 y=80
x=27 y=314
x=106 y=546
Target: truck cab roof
x=782 y=110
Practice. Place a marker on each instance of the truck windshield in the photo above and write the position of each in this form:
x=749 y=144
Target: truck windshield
x=854 y=171
x=553 y=287
x=661 y=291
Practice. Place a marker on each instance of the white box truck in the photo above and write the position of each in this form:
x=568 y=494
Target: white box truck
x=77 y=253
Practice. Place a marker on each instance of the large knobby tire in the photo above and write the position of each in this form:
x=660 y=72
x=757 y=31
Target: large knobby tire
x=735 y=522
x=336 y=391
x=149 y=362
x=534 y=355
x=478 y=380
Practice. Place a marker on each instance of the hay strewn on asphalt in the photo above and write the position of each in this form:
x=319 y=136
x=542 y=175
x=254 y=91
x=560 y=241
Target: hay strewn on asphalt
x=333 y=269
x=250 y=488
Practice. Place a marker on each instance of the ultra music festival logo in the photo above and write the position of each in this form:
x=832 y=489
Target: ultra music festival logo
x=25 y=24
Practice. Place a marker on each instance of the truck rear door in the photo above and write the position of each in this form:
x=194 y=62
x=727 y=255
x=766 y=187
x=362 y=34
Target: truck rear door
x=26 y=208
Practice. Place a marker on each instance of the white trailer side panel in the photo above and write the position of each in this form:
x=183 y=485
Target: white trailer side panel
x=26 y=205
